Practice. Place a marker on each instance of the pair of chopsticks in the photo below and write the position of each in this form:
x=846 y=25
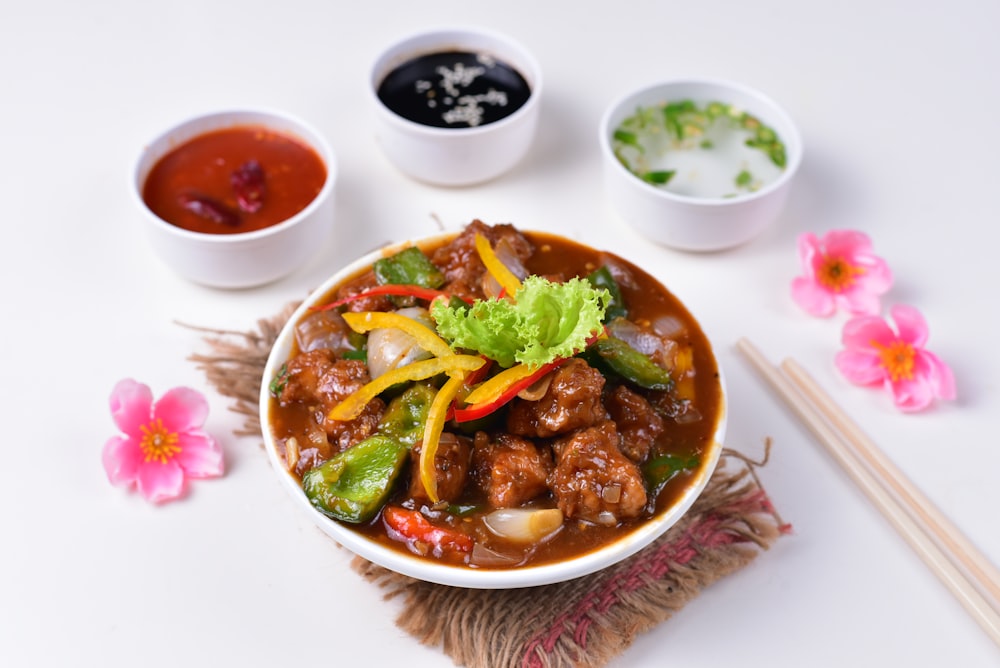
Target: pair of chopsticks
x=961 y=567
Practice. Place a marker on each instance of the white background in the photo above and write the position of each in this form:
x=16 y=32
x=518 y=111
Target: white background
x=897 y=103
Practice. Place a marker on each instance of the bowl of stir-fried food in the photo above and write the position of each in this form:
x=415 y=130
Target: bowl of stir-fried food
x=493 y=408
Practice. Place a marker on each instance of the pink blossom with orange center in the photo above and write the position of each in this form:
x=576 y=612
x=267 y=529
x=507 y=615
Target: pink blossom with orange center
x=162 y=443
x=875 y=353
x=840 y=270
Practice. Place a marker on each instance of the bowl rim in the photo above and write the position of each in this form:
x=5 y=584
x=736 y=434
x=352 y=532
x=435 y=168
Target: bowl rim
x=398 y=52
x=463 y=576
x=232 y=118
x=791 y=137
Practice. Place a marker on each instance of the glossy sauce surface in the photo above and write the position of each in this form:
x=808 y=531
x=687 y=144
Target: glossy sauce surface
x=192 y=185
x=649 y=302
x=454 y=89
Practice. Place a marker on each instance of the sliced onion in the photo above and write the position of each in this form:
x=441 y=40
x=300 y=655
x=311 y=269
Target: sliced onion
x=524 y=525
x=536 y=390
x=484 y=556
x=323 y=329
x=607 y=518
x=390 y=349
x=688 y=416
x=612 y=493
x=670 y=327
x=641 y=339
x=291 y=453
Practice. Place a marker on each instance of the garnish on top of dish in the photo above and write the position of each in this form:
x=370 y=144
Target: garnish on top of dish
x=714 y=150
x=500 y=399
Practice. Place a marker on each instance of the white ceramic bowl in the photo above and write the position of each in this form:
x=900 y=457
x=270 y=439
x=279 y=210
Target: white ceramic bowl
x=424 y=569
x=456 y=156
x=697 y=223
x=246 y=259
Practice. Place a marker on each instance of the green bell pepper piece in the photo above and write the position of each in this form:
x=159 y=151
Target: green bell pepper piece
x=353 y=485
x=602 y=278
x=408 y=267
x=406 y=414
x=659 y=470
x=617 y=356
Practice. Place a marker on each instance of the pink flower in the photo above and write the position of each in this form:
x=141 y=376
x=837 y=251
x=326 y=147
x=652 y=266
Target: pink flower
x=897 y=359
x=840 y=270
x=162 y=442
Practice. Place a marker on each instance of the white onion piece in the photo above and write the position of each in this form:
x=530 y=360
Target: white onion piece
x=641 y=339
x=484 y=556
x=670 y=327
x=524 y=525
x=537 y=390
x=607 y=518
x=390 y=349
x=323 y=329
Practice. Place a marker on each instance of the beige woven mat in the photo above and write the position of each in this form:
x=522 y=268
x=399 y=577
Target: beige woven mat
x=584 y=622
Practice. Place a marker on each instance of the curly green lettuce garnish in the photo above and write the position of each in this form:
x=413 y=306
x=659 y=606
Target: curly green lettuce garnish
x=544 y=322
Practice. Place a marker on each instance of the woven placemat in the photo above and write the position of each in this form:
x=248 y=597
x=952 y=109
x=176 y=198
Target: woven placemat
x=583 y=622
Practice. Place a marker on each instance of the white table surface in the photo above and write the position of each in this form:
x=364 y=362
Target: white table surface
x=897 y=103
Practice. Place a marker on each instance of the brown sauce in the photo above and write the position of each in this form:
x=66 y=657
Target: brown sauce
x=648 y=301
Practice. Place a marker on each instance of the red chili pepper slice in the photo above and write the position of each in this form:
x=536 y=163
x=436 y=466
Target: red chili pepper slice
x=397 y=290
x=479 y=411
x=247 y=182
x=411 y=525
x=209 y=209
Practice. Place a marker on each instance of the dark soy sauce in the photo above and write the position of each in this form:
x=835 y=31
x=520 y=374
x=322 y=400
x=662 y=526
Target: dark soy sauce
x=454 y=89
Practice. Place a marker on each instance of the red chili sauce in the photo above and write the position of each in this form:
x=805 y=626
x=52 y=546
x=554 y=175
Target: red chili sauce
x=234 y=180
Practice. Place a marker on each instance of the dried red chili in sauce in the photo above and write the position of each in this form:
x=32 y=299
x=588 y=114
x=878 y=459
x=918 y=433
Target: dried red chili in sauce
x=213 y=168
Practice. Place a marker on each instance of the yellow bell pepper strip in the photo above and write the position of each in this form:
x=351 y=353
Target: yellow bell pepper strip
x=498 y=270
x=351 y=407
x=411 y=526
x=683 y=364
x=440 y=411
x=393 y=290
x=491 y=396
x=426 y=338
x=495 y=386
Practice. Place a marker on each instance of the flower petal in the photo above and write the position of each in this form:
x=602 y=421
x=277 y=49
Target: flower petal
x=812 y=297
x=860 y=302
x=860 y=367
x=847 y=243
x=121 y=457
x=161 y=482
x=938 y=374
x=200 y=455
x=181 y=409
x=130 y=405
x=877 y=276
x=912 y=395
x=911 y=325
x=809 y=251
x=859 y=333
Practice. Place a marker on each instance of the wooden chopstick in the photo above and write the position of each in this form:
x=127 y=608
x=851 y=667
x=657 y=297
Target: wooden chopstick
x=942 y=555
x=947 y=534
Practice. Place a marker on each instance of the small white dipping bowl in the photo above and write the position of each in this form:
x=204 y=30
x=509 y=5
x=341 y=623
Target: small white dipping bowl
x=456 y=156
x=245 y=259
x=697 y=223
x=442 y=573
